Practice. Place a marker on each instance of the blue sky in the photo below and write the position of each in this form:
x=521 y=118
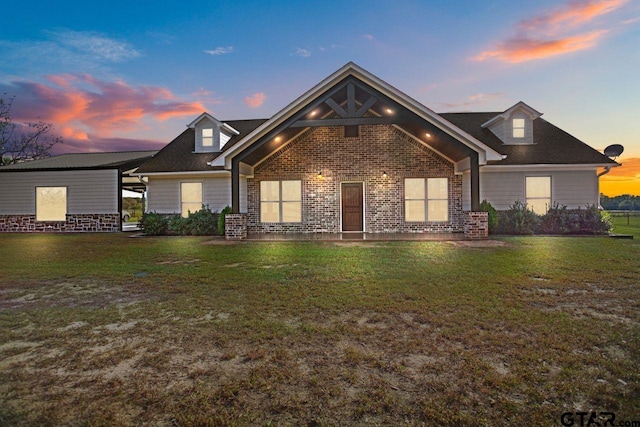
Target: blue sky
x=128 y=75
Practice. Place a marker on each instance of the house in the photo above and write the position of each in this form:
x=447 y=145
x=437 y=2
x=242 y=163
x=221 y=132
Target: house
x=352 y=154
x=355 y=154
x=68 y=193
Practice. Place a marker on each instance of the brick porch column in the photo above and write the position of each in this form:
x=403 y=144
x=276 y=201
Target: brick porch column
x=476 y=225
x=235 y=226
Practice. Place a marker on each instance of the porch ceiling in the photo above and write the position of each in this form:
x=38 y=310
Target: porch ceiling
x=353 y=103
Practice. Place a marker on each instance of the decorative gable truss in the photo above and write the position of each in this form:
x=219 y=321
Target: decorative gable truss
x=352 y=97
x=515 y=125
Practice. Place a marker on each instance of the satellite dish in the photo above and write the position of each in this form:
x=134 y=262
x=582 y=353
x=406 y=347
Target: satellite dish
x=613 y=150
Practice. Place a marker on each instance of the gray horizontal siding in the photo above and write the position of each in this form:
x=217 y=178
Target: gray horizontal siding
x=88 y=191
x=573 y=189
x=164 y=194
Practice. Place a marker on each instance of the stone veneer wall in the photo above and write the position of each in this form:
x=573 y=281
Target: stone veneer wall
x=74 y=223
x=377 y=149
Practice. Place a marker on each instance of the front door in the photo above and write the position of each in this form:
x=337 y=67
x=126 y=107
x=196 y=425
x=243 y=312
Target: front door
x=352 y=206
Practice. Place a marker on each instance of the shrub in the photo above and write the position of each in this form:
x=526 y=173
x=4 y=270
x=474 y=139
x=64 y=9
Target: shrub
x=178 y=225
x=518 y=220
x=560 y=220
x=199 y=223
x=221 y=220
x=492 y=214
x=154 y=224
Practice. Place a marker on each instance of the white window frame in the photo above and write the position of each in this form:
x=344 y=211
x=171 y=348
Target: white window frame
x=183 y=202
x=280 y=202
x=207 y=141
x=520 y=129
x=528 y=198
x=426 y=199
x=41 y=217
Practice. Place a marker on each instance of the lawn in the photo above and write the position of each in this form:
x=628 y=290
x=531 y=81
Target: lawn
x=114 y=330
x=623 y=225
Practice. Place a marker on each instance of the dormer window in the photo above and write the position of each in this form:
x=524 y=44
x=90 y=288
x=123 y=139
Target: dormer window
x=210 y=134
x=515 y=125
x=518 y=128
x=207 y=137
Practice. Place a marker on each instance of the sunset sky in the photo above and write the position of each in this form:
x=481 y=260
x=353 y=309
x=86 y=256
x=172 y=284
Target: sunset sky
x=117 y=75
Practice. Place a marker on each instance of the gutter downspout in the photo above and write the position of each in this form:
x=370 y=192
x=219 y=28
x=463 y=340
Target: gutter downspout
x=606 y=170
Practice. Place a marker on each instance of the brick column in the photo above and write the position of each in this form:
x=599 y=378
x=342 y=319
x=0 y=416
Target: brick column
x=476 y=225
x=235 y=226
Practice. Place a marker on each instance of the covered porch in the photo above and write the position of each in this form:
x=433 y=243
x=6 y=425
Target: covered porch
x=354 y=102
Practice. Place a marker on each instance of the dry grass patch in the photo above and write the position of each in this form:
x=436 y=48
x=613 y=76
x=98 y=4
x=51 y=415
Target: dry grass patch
x=418 y=333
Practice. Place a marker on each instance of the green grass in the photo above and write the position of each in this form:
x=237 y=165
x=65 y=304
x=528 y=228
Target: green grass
x=620 y=225
x=113 y=330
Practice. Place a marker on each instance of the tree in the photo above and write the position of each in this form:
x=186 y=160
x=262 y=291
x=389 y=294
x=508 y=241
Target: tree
x=23 y=142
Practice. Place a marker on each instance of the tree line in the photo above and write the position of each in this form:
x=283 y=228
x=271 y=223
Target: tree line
x=625 y=202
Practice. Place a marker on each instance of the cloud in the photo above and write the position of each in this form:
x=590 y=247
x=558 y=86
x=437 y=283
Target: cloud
x=256 y=100
x=476 y=99
x=622 y=180
x=573 y=14
x=220 y=51
x=85 y=109
x=368 y=37
x=304 y=53
x=63 y=50
x=630 y=169
x=560 y=31
x=94 y=44
x=526 y=49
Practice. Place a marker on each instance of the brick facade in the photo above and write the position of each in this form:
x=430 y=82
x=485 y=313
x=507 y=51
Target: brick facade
x=74 y=223
x=235 y=226
x=476 y=225
x=377 y=149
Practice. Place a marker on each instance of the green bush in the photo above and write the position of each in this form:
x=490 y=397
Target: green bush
x=519 y=219
x=560 y=220
x=154 y=224
x=199 y=223
x=492 y=215
x=221 y=220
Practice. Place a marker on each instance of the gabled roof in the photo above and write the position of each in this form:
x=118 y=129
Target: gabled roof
x=179 y=156
x=553 y=146
x=534 y=114
x=352 y=70
x=206 y=115
x=117 y=160
x=466 y=131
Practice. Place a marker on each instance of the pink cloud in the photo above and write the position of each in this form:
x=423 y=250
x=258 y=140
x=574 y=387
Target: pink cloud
x=573 y=14
x=86 y=110
x=554 y=33
x=256 y=100
x=525 y=49
x=95 y=105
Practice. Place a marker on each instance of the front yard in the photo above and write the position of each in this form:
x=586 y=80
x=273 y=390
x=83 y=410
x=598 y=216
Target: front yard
x=114 y=330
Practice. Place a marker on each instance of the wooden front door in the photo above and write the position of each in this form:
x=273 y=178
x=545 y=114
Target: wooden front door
x=352 y=206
